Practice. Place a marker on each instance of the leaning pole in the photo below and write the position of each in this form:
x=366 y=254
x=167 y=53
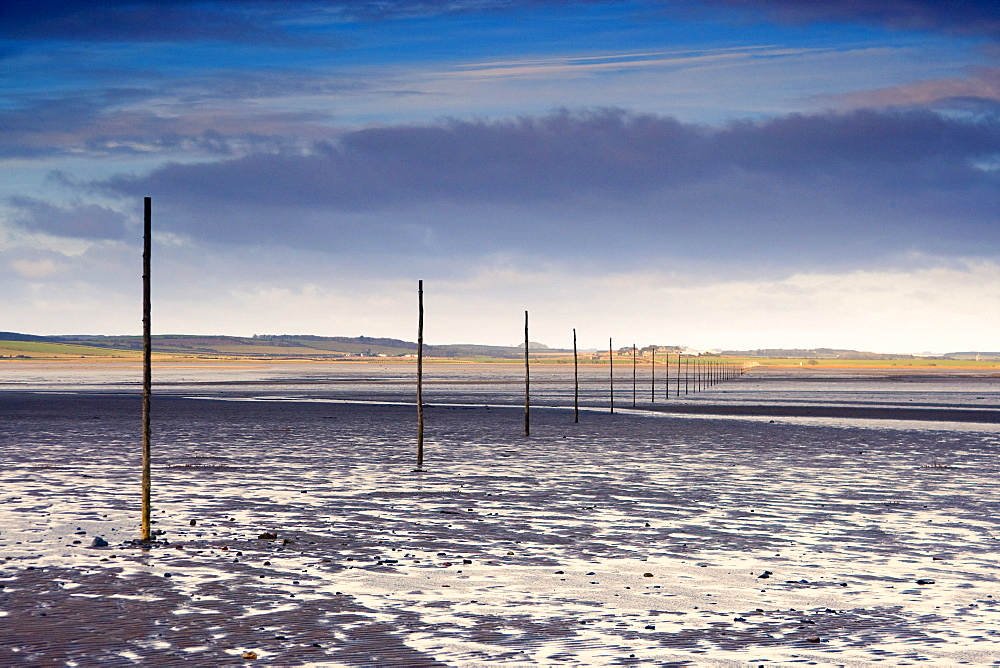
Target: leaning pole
x=147 y=370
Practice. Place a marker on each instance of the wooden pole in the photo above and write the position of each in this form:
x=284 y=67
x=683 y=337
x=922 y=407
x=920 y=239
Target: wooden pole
x=666 y=378
x=611 y=370
x=527 y=381
x=652 y=377
x=633 y=375
x=420 y=375
x=147 y=370
x=576 y=382
x=678 y=374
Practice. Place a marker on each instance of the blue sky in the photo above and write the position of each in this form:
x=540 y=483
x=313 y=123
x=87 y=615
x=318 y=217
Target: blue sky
x=715 y=173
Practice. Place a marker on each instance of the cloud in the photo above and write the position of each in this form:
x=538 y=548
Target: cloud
x=607 y=184
x=978 y=91
x=84 y=221
x=550 y=68
x=564 y=154
x=38 y=265
x=203 y=116
x=960 y=17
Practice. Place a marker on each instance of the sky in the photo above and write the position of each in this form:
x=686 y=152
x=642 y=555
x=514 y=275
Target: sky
x=733 y=174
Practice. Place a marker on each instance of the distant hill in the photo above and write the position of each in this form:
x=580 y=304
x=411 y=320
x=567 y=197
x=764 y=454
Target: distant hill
x=309 y=346
x=14 y=336
x=978 y=356
x=279 y=346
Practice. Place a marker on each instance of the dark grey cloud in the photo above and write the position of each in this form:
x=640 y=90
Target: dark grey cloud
x=608 y=183
x=962 y=17
x=82 y=221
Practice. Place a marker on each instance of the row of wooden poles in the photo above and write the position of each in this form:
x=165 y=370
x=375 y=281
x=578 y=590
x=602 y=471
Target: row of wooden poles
x=705 y=373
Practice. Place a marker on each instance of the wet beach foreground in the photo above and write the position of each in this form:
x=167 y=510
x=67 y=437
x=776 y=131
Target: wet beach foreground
x=294 y=531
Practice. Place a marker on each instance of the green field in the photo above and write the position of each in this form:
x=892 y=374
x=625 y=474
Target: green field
x=43 y=350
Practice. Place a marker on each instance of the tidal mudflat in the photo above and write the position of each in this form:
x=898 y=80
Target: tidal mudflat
x=766 y=521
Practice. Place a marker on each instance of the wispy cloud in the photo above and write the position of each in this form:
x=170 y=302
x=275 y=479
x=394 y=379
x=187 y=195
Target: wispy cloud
x=979 y=90
x=203 y=117
x=616 y=62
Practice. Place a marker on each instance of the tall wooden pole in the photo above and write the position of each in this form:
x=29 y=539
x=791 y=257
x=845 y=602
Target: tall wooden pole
x=420 y=374
x=576 y=382
x=611 y=371
x=147 y=370
x=527 y=381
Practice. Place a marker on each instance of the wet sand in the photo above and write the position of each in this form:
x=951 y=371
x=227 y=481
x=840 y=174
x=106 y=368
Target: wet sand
x=645 y=537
